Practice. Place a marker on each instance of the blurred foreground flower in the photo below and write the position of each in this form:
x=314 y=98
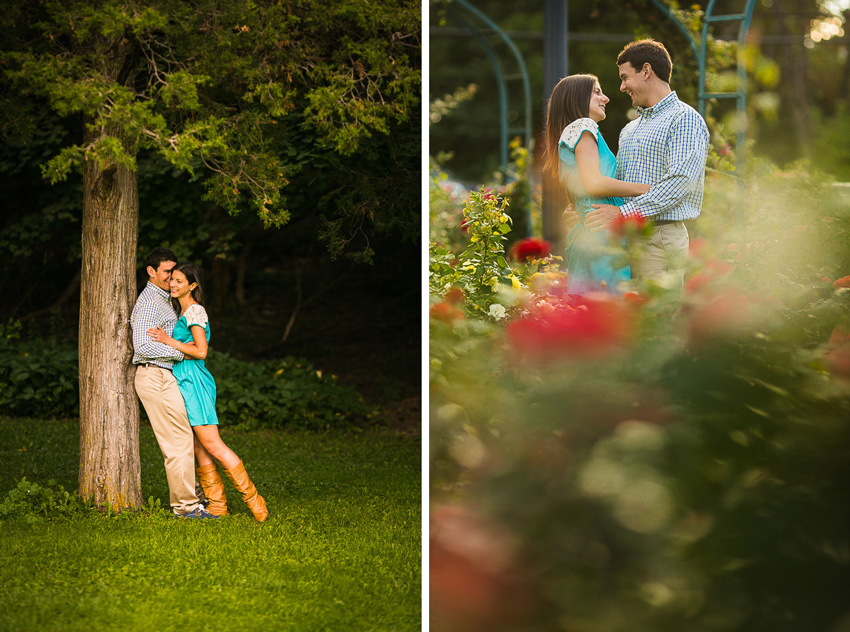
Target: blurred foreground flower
x=838 y=357
x=454 y=296
x=590 y=325
x=445 y=312
x=530 y=248
x=728 y=312
x=628 y=226
x=713 y=270
x=473 y=578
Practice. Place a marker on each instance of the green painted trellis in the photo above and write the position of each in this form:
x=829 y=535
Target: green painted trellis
x=740 y=93
x=700 y=53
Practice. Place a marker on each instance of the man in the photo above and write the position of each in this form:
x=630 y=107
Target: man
x=157 y=388
x=665 y=147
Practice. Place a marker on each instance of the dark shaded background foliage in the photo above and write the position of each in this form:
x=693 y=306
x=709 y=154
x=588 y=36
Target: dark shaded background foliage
x=338 y=284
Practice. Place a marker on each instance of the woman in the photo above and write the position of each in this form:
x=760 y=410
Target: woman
x=577 y=154
x=191 y=337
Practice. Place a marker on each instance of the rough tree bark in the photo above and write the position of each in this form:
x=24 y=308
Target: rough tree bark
x=110 y=470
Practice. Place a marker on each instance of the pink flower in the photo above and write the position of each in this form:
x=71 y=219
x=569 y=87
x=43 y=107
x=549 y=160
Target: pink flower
x=531 y=248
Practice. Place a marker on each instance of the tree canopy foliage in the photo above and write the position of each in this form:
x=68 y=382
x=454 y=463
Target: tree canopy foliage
x=245 y=96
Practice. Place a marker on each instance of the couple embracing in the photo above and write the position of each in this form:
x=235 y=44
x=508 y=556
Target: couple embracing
x=659 y=169
x=179 y=393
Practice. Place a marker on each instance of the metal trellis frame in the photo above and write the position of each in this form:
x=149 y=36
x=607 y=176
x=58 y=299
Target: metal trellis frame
x=740 y=93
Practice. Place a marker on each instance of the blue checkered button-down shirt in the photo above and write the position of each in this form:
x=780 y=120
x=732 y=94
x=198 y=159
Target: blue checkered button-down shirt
x=153 y=308
x=666 y=148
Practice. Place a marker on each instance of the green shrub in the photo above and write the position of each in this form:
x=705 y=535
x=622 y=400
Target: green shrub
x=288 y=393
x=39 y=379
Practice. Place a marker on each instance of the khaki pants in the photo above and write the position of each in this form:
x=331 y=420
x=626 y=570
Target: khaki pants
x=164 y=405
x=662 y=256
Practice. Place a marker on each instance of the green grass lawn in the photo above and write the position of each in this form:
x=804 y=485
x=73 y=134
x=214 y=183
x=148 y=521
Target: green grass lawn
x=341 y=551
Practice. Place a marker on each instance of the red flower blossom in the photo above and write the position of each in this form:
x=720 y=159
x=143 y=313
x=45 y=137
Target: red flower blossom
x=474 y=578
x=445 y=312
x=728 y=312
x=530 y=248
x=635 y=298
x=622 y=225
x=842 y=282
x=713 y=269
x=454 y=296
x=696 y=246
x=837 y=359
x=586 y=328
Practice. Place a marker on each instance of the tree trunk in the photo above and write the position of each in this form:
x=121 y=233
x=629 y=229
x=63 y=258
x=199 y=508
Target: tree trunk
x=110 y=470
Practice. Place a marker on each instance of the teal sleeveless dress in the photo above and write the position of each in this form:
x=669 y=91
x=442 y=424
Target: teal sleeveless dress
x=594 y=263
x=194 y=380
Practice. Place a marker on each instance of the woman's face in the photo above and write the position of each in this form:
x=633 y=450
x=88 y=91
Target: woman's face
x=180 y=287
x=598 y=100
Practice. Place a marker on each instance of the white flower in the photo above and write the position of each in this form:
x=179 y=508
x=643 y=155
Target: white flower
x=497 y=311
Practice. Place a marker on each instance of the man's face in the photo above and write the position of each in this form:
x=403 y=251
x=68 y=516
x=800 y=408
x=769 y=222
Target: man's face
x=161 y=277
x=633 y=83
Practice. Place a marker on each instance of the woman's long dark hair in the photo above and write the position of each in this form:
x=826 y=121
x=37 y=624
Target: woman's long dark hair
x=570 y=100
x=193 y=275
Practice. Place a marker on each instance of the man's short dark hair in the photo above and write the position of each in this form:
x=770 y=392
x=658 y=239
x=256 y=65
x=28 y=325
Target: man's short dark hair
x=648 y=51
x=157 y=256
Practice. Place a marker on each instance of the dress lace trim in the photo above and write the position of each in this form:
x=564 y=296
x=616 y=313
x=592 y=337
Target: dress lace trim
x=196 y=315
x=574 y=130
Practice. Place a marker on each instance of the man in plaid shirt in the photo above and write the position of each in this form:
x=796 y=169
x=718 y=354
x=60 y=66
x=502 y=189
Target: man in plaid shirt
x=665 y=147
x=157 y=387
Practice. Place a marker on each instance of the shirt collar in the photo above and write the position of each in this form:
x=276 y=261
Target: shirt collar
x=662 y=105
x=158 y=290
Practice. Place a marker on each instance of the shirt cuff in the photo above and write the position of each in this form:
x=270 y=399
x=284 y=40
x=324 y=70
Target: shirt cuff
x=630 y=209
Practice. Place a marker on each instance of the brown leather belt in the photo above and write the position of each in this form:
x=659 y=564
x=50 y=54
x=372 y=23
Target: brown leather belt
x=664 y=222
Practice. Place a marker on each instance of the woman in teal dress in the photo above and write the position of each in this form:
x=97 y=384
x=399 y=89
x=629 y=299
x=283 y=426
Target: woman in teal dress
x=191 y=336
x=577 y=154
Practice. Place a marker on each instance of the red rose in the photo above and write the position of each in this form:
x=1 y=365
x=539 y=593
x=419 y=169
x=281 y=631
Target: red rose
x=622 y=225
x=585 y=328
x=635 y=298
x=531 y=248
x=842 y=282
x=454 y=296
x=445 y=312
x=713 y=269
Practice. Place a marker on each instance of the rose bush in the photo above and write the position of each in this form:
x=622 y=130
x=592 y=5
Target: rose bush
x=651 y=462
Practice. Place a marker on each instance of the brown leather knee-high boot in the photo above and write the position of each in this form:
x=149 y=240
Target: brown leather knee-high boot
x=213 y=486
x=256 y=503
